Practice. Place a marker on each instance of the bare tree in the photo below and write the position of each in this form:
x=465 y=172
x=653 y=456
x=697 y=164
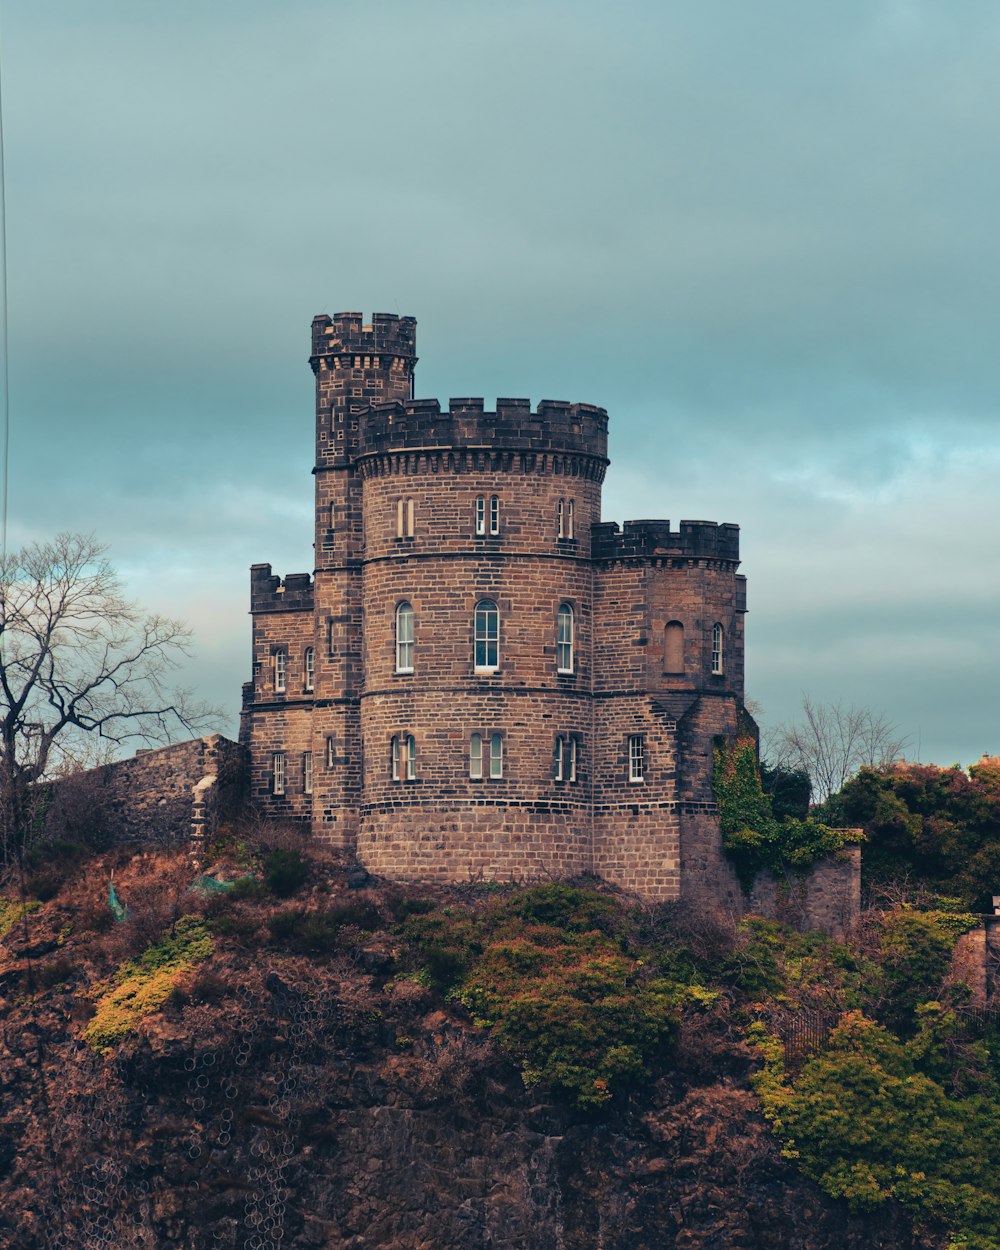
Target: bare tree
x=832 y=742
x=77 y=658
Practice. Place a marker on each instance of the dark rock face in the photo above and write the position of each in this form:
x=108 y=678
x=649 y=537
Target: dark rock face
x=293 y=1116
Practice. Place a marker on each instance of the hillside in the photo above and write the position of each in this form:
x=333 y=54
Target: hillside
x=318 y=1059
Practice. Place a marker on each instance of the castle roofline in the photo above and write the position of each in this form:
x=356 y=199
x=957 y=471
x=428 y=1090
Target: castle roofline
x=694 y=540
x=555 y=425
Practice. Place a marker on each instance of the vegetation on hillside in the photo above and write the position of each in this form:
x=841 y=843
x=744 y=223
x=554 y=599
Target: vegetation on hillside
x=937 y=829
x=754 y=838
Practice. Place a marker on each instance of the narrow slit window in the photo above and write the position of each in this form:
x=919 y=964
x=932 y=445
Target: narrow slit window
x=409 y=518
x=716 y=650
x=637 y=758
x=561 y=518
x=309 y=669
x=494 y=514
x=395 y=754
x=410 y=757
x=673 y=647
x=564 y=639
x=404 y=638
x=476 y=757
x=571 y=746
x=480 y=514
x=278 y=772
x=570 y=518
x=496 y=756
x=280 y=665
x=486 y=649
x=307 y=772
x=400 y=518
x=331 y=753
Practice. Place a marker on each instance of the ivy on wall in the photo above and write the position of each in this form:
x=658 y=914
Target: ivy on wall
x=753 y=839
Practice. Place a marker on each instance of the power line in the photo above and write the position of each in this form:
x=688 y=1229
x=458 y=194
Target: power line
x=4 y=366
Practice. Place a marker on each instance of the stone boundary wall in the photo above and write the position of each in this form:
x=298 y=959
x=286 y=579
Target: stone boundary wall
x=827 y=898
x=166 y=795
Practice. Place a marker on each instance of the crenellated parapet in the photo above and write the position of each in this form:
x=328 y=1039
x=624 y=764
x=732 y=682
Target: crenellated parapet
x=555 y=425
x=346 y=334
x=701 y=540
x=270 y=593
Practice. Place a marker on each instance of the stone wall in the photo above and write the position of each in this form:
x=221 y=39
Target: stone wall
x=170 y=794
x=828 y=898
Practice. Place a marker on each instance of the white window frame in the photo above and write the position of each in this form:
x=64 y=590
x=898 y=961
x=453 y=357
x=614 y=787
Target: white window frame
x=395 y=757
x=483 y=618
x=566 y=757
x=565 y=645
x=717 y=650
x=404 y=637
x=636 y=758
x=280 y=671
x=410 y=757
x=476 y=757
x=561 y=519
x=496 y=757
x=278 y=773
x=309 y=670
x=480 y=514
x=494 y=514
x=307 y=772
x=570 y=518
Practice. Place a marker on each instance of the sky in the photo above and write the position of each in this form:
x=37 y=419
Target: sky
x=763 y=236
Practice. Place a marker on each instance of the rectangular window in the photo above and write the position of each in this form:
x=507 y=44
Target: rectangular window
x=494 y=514
x=307 y=773
x=476 y=757
x=331 y=757
x=279 y=672
x=637 y=758
x=496 y=756
x=278 y=772
x=480 y=514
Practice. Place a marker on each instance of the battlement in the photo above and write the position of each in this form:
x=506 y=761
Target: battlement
x=554 y=426
x=269 y=593
x=694 y=540
x=387 y=335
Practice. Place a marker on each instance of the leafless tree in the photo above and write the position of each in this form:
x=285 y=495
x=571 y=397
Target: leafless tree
x=831 y=742
x=77 y=658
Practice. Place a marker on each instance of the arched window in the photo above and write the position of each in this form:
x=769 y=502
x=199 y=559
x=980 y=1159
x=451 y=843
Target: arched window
x=410 y=757
x=564 y=639
x=496 y=756
x=716 y=650
x=476 y=757
x=570 y=519
x=309 y=669
x=404 y=638
x=673 y=647
x=494 y=514
x=561 y=519
x=480 y=514
x=486 y=651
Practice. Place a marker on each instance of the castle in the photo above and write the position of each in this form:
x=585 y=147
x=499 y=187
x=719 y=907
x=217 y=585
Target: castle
x=482 y=678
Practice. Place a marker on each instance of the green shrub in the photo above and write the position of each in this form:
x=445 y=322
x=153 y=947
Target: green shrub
x=864 y=1121
x=751 y=836
x=12 y=912
x=321 y=932
x=284 y=872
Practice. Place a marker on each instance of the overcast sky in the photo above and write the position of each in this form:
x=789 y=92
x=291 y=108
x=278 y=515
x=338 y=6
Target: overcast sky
x=764 y=236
